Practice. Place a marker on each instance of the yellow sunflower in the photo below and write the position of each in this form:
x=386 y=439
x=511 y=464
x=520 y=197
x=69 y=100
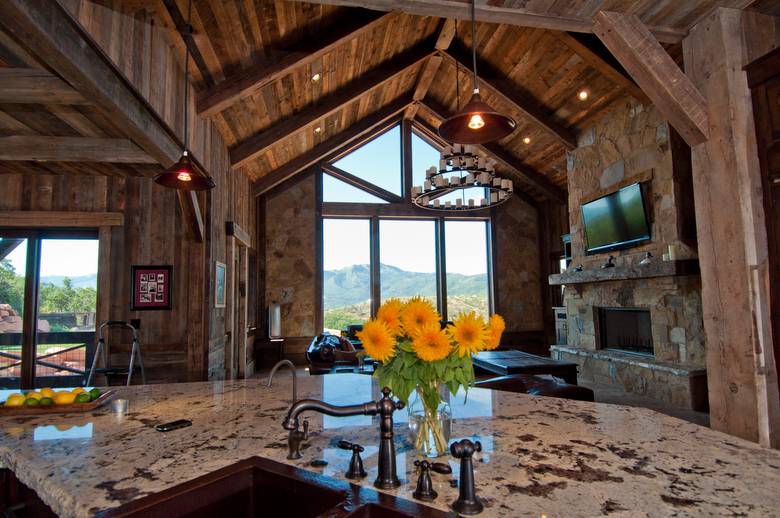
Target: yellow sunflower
x=377 y=340
x=495 y=330
x=431 y=343
x=390 y=314
x=468 y=332
x=418 y=313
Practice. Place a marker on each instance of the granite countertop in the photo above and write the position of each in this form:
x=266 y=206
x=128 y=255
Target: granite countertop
x=541 y=457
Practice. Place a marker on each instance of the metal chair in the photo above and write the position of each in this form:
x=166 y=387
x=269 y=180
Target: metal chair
x=135 y=352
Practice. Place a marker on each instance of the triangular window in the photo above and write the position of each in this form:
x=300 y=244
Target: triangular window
x=335 y=190
x=377 y=162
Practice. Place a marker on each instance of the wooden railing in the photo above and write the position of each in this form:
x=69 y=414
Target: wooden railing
x=78 y=355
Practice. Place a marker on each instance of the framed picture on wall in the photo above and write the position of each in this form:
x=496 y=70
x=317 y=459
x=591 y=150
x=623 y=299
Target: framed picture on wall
x=219 y=285
x=152 y=287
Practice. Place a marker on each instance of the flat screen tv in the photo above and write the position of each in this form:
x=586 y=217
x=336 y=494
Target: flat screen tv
x=617 y=220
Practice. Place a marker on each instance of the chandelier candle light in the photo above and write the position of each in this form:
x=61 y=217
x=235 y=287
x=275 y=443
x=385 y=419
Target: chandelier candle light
x=460 y=170
x=419 y=359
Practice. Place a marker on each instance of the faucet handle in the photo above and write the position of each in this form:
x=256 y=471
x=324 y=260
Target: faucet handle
x=465 y=448
x=397 y=405
x=346 y=445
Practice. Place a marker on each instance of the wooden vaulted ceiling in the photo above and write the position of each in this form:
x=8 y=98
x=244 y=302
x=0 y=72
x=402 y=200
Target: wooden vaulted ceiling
x=253 y=61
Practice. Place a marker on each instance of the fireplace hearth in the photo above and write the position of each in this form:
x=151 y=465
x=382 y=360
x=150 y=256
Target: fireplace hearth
x=626 y=329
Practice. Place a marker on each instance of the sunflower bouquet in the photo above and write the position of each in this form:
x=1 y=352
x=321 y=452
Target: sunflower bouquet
x=415 y=351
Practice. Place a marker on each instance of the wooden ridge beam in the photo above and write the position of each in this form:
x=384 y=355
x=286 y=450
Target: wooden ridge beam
x=258 y=144
x=361 y=184
x=671 y=91
x=521 y=17
x=72 y=149
x=349 y=135
x=50 y=32
x=579 y=44
x=508 y=160
x=231 y=90
x=522 y=101
x=36 y=86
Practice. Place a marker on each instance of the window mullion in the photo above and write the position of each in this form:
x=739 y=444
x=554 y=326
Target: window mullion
x=441 y=268
x=375 y=267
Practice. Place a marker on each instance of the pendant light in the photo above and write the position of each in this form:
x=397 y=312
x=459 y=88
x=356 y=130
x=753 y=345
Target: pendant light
x=477 y=122
x=184 y=174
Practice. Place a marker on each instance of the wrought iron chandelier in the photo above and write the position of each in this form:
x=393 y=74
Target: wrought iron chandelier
x=469 y=176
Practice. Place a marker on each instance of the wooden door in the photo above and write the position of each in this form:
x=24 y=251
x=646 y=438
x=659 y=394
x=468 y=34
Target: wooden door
x=764 y=80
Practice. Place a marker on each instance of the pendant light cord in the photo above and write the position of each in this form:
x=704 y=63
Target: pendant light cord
x=474 y=42
x=187 y=39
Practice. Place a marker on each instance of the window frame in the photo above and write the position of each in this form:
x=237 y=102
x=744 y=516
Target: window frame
x=397 y=209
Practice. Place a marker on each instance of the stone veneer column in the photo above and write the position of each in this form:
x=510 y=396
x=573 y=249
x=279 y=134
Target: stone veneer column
x=742 y=376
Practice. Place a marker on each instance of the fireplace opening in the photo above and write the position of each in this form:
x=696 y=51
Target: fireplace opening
x=626 y=330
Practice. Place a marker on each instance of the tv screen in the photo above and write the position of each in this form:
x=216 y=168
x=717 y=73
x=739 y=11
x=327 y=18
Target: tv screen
x=617 y=220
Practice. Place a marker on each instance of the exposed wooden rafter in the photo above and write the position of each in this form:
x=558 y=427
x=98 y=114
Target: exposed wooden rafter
x=180 y=24
x=428 y=72
x=193 y=217
x=522 y=101
x=579 y=44
x=507 y=159
x=32 y=85
x=523 y=17
x=671 y=91
x=344 y=138
x=368 y=82
x=72 y=149
x=237 y=87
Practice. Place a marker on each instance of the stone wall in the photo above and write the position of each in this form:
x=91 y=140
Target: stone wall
x=517 y=266
x=291 y=250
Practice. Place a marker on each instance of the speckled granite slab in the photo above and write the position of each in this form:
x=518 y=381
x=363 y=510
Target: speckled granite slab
x=541 y=456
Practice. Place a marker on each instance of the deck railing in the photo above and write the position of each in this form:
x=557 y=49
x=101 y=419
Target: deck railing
x=68 y=354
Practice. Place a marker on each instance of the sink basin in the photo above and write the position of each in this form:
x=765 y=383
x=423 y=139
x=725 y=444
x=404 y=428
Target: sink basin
x=259 y=487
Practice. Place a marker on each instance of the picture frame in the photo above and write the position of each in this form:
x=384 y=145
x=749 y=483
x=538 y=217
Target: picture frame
x=220 y=281
x=151 y=287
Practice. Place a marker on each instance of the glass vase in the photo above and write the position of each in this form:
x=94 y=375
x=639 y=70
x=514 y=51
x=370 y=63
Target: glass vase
x=430 y=428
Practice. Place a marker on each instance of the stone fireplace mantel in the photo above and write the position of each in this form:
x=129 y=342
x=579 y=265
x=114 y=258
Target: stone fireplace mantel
x=656 y=268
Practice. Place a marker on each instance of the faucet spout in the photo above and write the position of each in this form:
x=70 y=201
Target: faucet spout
x=291 y=421
x=291 y=365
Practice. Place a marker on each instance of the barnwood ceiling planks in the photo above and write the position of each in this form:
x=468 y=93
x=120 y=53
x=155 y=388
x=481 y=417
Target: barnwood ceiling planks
x=72 y=149
x=248 y=83
x=429 y=71
x=30 y=85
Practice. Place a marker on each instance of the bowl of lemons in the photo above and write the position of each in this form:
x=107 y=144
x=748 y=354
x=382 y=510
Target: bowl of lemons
x=53 y=400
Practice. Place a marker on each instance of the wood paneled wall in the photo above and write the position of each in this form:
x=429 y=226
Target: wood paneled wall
x=185 y=343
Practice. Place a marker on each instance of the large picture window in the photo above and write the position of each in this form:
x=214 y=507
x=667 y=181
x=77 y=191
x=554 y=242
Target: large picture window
x=377 y=245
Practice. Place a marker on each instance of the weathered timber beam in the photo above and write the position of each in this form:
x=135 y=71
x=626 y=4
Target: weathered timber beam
x=428 y=72
x=671 y=91
x=35 y=86
x=244 y=84
x=50 y=32
x=522 y=101
x=193 y=217
x=72 y=149
x=580 y=45
x=508 y=160
x=258 y=144
x=181 y=25
x=74 y=219
x=522 y=17
x=350 y=134
x=361 y=184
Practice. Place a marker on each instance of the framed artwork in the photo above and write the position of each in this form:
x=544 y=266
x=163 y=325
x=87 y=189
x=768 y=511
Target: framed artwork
x=219 y=284
x=151 y=287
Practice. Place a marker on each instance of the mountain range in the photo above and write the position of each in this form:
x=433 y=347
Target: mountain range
x=80 y=281
x=350 y=285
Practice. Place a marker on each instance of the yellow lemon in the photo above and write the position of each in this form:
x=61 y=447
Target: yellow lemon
x=64 y=398
x=47 y=392
x=15 y=400
x=34 y=395
x=77 y=390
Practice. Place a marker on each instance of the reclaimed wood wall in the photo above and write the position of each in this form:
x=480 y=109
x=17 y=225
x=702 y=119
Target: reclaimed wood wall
x=187 y=342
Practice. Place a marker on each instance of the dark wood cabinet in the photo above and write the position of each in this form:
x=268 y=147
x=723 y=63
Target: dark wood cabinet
x=764 y=81
x=18 y=500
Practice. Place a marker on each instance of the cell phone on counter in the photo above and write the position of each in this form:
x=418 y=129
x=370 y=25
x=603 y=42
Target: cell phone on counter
x=173 y=425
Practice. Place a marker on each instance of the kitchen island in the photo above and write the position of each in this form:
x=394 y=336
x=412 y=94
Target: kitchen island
x=541 y=456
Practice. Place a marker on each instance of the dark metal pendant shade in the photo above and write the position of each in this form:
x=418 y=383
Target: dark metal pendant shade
x=476 y=123
x=183 y=175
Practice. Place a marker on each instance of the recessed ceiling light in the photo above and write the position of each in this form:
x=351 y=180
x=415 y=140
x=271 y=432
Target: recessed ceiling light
x=527 y=140
x=583 y=95
x=318 y=129
x=316 y=77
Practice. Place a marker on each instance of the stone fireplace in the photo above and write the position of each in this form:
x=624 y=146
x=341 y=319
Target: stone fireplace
x=636 y=326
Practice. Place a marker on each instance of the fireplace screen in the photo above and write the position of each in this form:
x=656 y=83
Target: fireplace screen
x=626 y=330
